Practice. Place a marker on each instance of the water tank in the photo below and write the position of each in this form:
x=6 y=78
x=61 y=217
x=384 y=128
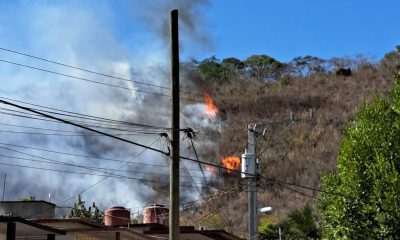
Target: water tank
x=155 y=213
x=117 y=216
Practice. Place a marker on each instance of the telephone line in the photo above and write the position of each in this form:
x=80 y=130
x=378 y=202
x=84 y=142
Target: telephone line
x=81 y=126
x=87 y=115
x=90 y=71
x=68 y=135
x=112 y=136
x=91 y=167
x=99 y=125
x=93 y=81
x=87 y=156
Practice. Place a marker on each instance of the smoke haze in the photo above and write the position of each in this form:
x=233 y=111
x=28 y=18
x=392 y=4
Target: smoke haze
x=85 y=35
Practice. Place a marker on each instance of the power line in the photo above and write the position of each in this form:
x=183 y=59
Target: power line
x=211 y=214
x=67 y=135
x=65 y=163
x=89 y=71
x=95 y=123
x=86 y=156
x=304 y=187
x=95 y=168
x=112 y=136
x=98 y=182
x=190 y=179
x=214 y=196
x=201 y=168
x=46 y=129
x=81 y=126
x=91 y=174
x=93 y=81
x=88 y=124
x=296 y=191
x=86 y=116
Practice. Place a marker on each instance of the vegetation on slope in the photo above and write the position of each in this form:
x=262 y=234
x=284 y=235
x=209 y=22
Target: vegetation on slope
x=261 y=89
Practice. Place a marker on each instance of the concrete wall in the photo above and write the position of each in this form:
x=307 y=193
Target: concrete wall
x=28 y=209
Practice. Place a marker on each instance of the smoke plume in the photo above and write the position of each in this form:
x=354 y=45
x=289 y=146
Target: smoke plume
x=84 y=35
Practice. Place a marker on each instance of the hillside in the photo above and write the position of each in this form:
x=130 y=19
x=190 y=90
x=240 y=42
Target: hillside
x=299 y=153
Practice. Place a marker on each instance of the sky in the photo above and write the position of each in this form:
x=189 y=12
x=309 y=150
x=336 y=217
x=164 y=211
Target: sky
x=288 y=28
x=129 y=39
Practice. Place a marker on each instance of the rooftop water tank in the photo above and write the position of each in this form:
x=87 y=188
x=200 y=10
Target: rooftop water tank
x=117 y=216
x=155 y=213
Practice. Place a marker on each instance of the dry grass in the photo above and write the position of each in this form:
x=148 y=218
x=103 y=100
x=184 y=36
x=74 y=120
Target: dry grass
x=300 y=154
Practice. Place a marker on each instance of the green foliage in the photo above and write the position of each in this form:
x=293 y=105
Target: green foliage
x=308 y=65
x=391 y=60
x=366 y=203
x=233 y=64
x=302 y=224
x=80 y=211
x=268 y=230
x=263 y=67
x=211 y=70
x=299 y=224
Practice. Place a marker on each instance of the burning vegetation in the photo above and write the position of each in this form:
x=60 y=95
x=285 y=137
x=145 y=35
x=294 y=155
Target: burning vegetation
x=231 y=162
x=211 y=110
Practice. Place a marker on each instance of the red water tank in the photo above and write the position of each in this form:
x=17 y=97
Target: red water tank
x=117 y=216
x=155 y=213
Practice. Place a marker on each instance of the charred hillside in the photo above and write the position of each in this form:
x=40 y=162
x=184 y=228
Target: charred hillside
x=261 y=89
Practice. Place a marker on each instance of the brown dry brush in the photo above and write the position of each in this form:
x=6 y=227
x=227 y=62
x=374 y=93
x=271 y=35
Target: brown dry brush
x=299 y=154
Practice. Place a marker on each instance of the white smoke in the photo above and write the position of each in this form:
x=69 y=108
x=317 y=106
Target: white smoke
x=81 y=34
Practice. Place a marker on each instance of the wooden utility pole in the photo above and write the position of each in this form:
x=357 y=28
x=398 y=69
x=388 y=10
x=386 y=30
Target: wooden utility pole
x=174 y=163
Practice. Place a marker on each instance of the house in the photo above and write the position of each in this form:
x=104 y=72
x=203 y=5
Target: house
x=28 y=209
x=79 y=229
x=186 y=232
x=117 y=225
x=12 y=228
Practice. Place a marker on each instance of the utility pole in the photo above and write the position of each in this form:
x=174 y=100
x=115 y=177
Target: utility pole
x=250 y=172
x=174 y=227
x=250 y=169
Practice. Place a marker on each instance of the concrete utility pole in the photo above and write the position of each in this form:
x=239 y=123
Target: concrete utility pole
x=250 y=169
x=250 y=172
x=174 y=163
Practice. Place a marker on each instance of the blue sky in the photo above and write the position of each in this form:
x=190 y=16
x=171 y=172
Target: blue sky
x=288 y=28
x=282 y=29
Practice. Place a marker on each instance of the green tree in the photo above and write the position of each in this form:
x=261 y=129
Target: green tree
x=364 y=195
x=211 y=70
x=92 y=213
x=391 y=60
x=299 y=224
x=302 y=224
x=233 y=63
x=263 y=67
x=308 y=65
x=268 y=230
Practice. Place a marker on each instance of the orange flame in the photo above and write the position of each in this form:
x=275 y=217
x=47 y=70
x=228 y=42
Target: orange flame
x=231 y=162
x=211 y=110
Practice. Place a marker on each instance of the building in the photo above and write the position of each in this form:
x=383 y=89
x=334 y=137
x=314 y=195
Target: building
x=117 y=225
x=79 y=229
x=186 y=232
x=12 y=228
x=28 y=209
